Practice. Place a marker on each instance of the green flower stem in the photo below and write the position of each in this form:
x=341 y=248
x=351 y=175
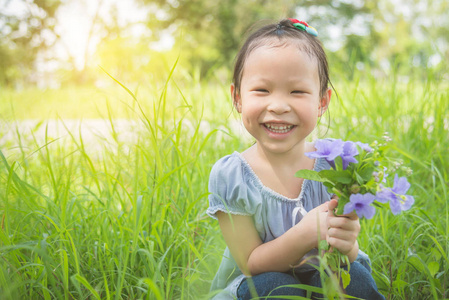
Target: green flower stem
x=341 y=205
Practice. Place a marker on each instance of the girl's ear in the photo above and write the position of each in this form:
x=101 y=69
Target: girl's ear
x=236 y=99
x=324 y=102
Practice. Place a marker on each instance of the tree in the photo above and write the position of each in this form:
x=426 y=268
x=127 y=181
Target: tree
x=401 y=34
x=23 y=33
x=209 y=32
x=364 y=32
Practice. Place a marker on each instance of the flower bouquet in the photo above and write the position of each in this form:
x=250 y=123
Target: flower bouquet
x=358 y=178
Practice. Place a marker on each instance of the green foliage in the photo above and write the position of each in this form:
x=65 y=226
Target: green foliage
x=125 y=218
x=371 y=36
x=22 y=37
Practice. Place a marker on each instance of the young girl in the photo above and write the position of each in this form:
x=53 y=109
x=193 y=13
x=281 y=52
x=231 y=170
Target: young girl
x=268 y=217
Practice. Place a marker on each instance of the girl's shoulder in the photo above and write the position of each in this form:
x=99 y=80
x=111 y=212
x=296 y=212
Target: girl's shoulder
x=231 y=190
x=227 y=166
x=233 y=171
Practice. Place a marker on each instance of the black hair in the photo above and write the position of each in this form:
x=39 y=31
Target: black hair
x=283 y=31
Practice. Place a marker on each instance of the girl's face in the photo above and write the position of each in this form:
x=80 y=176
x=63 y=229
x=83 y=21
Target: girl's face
x=279 y=97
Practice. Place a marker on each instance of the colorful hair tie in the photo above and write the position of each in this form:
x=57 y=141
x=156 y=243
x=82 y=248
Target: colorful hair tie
x=301 y=25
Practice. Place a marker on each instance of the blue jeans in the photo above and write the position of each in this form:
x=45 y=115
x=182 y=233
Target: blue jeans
x=362 y=284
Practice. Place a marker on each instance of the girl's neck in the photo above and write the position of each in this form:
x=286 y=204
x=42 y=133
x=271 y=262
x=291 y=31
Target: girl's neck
x=277 y=171
x=293 y=158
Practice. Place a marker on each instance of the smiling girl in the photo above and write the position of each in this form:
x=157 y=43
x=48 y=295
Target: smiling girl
x=269 y=218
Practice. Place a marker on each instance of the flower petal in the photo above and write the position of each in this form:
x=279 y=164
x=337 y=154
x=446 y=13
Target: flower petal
x=400 y=185
x=349 y=207
x=385 y=195
x=349 y=151
x=364 y=147
x=367 y=212
x=348 y=159
x=395 y=207
x=328 y=149
x=409 y=200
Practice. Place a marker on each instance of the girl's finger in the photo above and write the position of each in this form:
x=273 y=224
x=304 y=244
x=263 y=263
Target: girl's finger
x=342 y=245
x=343 y=222
x=344 y=235
x=332 y=204
x=352 y=215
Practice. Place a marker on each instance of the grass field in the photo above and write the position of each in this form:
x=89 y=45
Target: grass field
x=119 y=218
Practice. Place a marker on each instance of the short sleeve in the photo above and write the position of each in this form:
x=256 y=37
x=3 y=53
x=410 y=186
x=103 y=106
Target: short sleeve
x=228 y=188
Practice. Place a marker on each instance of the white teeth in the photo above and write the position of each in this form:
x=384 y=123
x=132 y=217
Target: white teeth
x=279 y=128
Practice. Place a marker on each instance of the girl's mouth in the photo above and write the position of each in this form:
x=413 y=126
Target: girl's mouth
x=278 y=128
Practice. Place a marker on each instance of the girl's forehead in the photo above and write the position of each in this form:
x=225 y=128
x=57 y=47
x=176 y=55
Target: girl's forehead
x=274 y=43
x=274 y=46
x=281 y=62
x=277 y=42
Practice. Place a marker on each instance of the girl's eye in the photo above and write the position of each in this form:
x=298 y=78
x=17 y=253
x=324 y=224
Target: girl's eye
x=261 y=90
x=297 y=92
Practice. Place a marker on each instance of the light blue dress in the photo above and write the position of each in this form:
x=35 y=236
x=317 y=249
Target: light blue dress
x=235 y=188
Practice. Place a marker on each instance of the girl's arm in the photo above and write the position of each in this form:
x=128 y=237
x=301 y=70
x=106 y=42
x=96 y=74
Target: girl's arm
x=254 y=257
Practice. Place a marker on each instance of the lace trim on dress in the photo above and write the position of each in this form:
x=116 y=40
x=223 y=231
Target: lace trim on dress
x=212 y=211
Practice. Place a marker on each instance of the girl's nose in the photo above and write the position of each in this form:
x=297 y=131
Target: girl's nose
x=278 y=105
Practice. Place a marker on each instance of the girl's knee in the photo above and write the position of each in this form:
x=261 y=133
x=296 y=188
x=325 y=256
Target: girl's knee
x=270 y=283
x=357 y=270
x=362 y=284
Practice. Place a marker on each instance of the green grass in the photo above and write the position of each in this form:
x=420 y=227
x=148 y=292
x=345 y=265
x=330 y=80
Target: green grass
x=409 y=251
x=127 y=220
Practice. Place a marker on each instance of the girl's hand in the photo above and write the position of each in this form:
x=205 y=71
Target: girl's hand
x=343 y=231
x=315 y=224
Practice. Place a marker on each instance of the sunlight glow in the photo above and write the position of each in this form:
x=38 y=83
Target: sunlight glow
x=77 y=25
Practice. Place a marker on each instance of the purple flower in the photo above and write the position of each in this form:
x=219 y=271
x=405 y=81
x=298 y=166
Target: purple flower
x=361 y=204
x=396 y=195
x=349 y=151
x=327 y=149
x=364 y=146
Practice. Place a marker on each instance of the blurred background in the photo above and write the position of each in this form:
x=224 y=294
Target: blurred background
x=58 y=43
x=103 y=186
